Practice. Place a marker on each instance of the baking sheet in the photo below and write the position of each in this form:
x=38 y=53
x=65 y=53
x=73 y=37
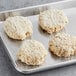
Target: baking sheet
x=51 y=61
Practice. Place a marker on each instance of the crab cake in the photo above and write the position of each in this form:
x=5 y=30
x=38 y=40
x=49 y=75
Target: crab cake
x=32 y=52
x=18 y=27
x=52 y=20
x=63 y=45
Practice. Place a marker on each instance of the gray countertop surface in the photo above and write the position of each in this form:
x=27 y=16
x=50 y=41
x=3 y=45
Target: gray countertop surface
x=6 y=68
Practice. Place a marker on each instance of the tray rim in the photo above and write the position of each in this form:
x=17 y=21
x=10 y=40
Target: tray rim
x=24 y=8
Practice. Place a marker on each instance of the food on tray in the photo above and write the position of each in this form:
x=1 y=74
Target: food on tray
x=63 y=45
x=18 y=27
x=32 y=52
x=52 y=20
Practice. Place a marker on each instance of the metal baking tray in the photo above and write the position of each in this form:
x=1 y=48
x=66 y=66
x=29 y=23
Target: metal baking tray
x=12 y=46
